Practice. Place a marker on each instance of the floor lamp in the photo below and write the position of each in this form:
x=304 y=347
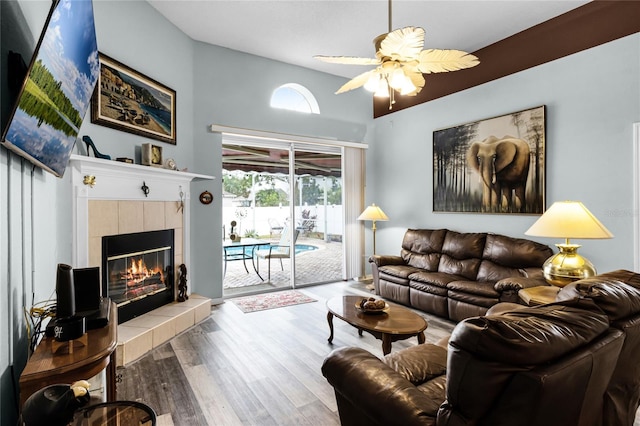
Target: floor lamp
x=374 y=214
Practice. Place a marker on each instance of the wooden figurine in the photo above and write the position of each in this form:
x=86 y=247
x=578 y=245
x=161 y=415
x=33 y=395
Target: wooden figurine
x=182 y=284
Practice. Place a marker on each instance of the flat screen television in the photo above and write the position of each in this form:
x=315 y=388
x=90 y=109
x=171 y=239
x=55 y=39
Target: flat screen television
x=55 y=95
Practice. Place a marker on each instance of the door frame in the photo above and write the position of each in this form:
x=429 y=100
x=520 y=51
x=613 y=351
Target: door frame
x=353 y=177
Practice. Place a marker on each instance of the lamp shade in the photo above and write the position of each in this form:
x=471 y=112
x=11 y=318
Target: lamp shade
x=568 y=219
x=374 y=213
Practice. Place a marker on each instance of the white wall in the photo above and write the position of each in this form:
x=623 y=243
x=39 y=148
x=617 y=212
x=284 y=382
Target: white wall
x=592 y=100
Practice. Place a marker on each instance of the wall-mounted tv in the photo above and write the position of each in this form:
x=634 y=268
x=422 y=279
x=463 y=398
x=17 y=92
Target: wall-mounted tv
x=56 y=91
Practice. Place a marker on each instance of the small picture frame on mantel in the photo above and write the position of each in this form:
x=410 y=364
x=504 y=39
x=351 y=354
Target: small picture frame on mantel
x=151 y=155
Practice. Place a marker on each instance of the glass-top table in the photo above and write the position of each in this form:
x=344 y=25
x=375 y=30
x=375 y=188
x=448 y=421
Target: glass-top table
x=242 y=250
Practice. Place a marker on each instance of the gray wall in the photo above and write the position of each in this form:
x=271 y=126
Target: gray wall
x=133 y=33
x=234 y=89
x=592 y=99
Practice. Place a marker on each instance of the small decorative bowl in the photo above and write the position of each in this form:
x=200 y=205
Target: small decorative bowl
x=374 y=310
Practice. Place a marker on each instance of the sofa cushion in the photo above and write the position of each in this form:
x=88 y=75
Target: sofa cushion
x=532 y=335
x=420 y=363
x=398 y=274
x=627 y=277
x=437 y=279
x=493 y=272
x=617 y=299
x=426 y=367
x=515 y=252
x=436 y=391
x=467 y=268
x=464 y=245
x=428 y=288
x=422 y=248
x=479 y=288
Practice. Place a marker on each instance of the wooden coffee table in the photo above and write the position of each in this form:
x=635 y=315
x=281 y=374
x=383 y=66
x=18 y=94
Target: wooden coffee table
x=396 y=323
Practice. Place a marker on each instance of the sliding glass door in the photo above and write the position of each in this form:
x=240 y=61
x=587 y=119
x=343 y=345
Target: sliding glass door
x=282 y=204
x=319 y=217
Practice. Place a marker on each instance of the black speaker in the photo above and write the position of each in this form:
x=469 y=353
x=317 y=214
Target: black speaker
x=86 y=282
x=65 y=294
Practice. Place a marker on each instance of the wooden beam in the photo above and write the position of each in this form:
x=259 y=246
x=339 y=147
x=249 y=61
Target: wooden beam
x=591 y=25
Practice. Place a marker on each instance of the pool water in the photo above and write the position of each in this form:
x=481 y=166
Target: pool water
x=300 y=248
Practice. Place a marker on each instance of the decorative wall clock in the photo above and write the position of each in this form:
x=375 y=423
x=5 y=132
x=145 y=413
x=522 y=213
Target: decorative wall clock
x=206 y=197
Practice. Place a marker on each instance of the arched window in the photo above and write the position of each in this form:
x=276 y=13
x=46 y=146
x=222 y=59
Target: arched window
x=294 y=97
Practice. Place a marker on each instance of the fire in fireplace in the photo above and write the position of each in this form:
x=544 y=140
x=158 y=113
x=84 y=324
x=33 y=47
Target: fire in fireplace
x=138 y=269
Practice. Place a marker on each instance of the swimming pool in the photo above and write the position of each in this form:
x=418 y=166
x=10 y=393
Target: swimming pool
x=300 y=248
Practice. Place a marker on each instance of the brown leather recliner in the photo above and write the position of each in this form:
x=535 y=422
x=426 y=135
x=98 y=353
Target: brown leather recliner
x=617 y=293
x=546 y=365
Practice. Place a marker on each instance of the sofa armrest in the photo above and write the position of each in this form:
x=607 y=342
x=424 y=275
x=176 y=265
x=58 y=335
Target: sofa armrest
x=379 y=260
x=376 y=390
x=518 y=283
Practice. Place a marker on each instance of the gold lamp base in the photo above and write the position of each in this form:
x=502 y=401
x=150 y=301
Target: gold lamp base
x=567 y=266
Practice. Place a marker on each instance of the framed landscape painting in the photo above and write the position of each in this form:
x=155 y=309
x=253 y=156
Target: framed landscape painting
x=127 y=100
x=495 y=165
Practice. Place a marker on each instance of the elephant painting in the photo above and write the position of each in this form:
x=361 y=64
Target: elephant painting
x=503 y=166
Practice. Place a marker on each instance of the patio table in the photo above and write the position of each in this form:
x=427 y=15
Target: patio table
x=248 y=245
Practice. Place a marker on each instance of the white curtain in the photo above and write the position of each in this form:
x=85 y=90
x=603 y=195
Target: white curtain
x=353 y=172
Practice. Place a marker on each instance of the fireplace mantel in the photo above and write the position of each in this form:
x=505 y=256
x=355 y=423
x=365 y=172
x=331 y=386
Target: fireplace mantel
x=117 y=181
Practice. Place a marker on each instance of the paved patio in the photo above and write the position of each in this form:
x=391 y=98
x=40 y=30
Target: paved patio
x=315 y=266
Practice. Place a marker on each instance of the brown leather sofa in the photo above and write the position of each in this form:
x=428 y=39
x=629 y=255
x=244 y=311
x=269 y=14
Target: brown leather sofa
x=458 y=275
x=546 y=365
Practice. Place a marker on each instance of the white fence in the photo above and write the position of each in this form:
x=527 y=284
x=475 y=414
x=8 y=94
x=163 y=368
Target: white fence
x=328 y=219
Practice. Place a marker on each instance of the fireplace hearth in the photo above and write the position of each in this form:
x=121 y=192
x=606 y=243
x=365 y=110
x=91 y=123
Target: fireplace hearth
x=138 y=270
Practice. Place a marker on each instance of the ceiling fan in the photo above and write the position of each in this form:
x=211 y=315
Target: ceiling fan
x=400 y=63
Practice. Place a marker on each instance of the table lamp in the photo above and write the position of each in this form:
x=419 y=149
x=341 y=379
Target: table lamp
x=568 y=219
x=373 y=213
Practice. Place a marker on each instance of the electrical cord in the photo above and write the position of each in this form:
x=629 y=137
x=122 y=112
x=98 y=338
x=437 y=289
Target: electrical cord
x=35 y=318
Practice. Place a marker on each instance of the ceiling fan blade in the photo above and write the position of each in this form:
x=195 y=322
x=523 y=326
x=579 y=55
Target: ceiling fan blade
x=438 y=60
x=348 y=60
x=356 y=82
x=402 y=44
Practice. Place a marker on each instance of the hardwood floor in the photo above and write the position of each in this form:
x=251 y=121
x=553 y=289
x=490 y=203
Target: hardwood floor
x=260 y=368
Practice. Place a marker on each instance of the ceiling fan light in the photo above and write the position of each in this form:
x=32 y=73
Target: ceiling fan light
x=400 y=82
x=372 y=83
x=383 y=89
x=397 y=79
x=408 y=87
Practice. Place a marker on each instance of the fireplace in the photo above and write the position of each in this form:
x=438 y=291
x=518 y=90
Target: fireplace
x=138 y=271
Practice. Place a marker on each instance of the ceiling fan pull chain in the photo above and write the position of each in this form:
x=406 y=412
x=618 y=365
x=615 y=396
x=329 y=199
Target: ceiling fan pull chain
x=389 y=15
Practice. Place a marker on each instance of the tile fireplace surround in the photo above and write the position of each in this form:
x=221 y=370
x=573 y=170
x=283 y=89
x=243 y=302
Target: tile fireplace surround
x=117 y=204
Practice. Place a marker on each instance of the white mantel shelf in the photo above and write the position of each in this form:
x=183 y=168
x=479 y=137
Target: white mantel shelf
x=115 y=180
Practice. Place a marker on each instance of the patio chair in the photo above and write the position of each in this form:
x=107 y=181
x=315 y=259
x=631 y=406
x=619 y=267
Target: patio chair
x=308 y=222
x=274 y=226
x=280 y=251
